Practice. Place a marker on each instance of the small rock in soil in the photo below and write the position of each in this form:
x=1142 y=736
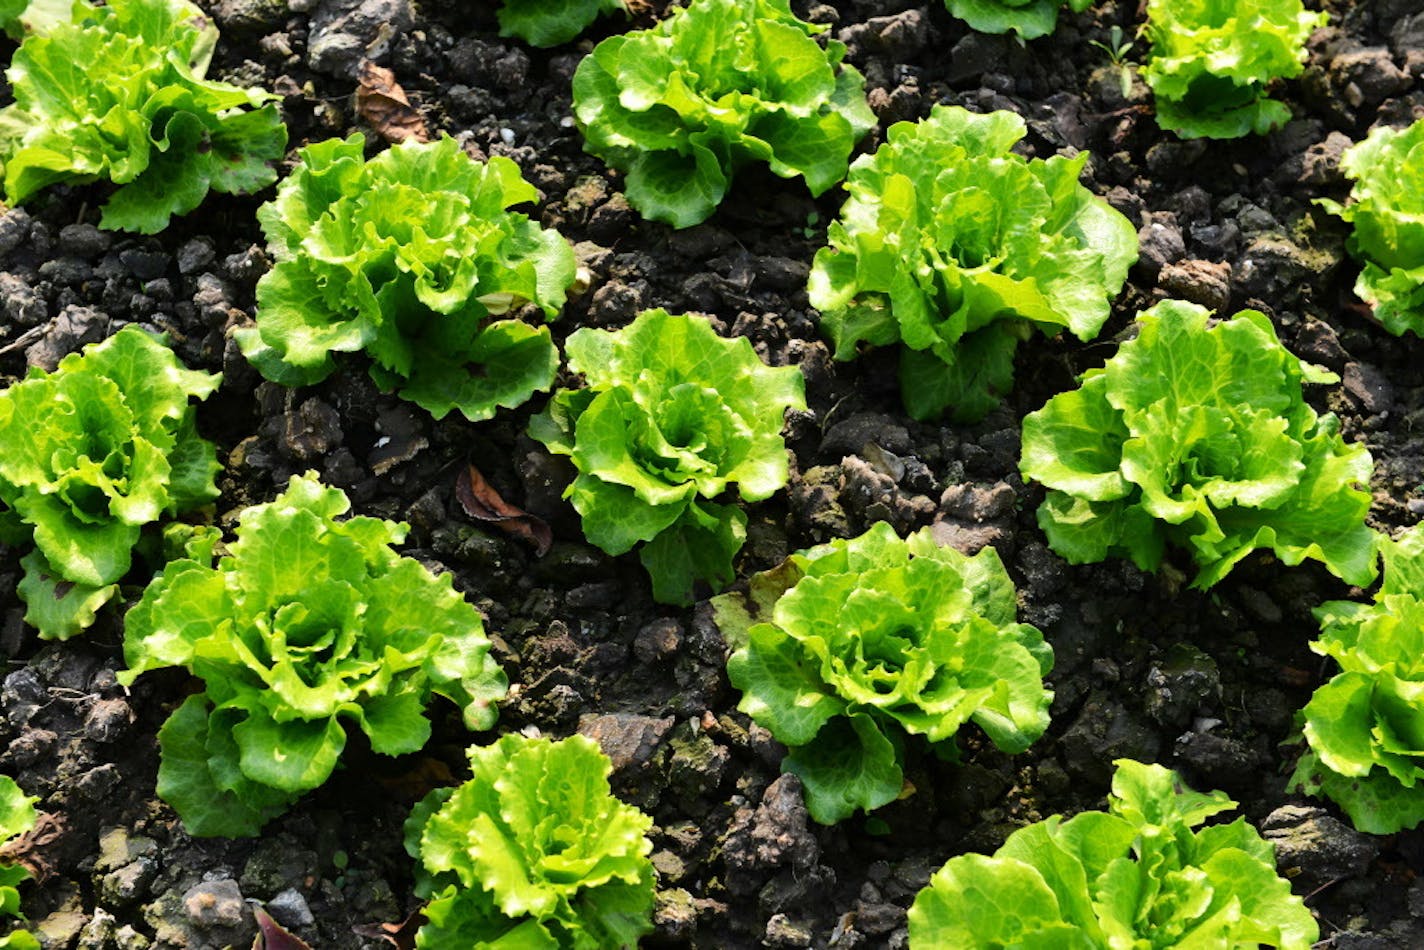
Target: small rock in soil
x=629 y=740
x=341 y=31
x=1104 y=731
x=779 y=831
x=1160 y=242
x=1368 y=388
x=1182 y=683
x=851 y=436
x=289 y=908
x=72 y=329
x=1201 y=282
x=215 y=904
x=1316 y=846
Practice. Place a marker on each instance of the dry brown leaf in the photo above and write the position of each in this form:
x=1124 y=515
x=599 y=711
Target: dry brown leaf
x=483 y=503
x=382 y=104
x=401 y=935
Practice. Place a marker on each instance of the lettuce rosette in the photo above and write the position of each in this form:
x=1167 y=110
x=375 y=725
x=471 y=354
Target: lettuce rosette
x=1198 y=436
x=674 y=416
x=1143 y=874
x=532 y=852
x=874 y=639
x=91 y=454
x=1386 y=208
x=411 y=257
x=307 y=624
x=956 y=248
x=1365 y=727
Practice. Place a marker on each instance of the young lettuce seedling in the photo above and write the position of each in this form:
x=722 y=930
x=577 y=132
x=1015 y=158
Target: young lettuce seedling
x=673 y=417
x=1212 y=60
x=533 y=851
x=89 y=455
x=1386 y=208
x=873 y=639
x=1363 y=726
x=1199 y=437
x=409 y=257
x=1141 y=875
x=955 y=247
x=117 y=93
x=715 y=86
x=309 y=623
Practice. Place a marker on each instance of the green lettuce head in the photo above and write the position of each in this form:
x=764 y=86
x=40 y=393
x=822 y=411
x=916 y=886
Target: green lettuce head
x=674 y=416
x=545 y=23
x=17 y=816
x=1212 y=60
x=117 y=93
x=957 y=248
x=1030 y=19
x=89 y=455
x=532 y=852
x=409 y=257
x=1140 y=875
x=715 y=86
x=1365 y=728
x=874 y=639
x=1387 y=210
x=309 y=623
x=1198 y=436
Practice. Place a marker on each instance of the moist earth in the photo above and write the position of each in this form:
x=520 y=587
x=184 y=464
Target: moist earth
x=1146 y=668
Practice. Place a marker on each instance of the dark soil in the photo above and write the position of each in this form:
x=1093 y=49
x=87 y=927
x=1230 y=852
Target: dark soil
x=1205 y=683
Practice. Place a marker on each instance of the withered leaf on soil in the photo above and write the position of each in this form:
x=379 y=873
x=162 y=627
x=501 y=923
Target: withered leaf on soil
x=401 y=935
x=382 y=103
x=483 y=503
x=272 y=935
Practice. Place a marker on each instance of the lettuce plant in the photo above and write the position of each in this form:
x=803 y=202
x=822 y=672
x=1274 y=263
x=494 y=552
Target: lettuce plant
x=1387 y=210
x=875 y=638
x=117 y=93
x=89 y=455
x=719 y=84
x=1140 y=875
x=408 y=257
x=307 y=624
x=1364 y=726
x=1198 y=436
x=18 y=17
x=672 y=418
x=955 y=247
x=533 y=851
x=1212 y=60
x=550 y=22
x=1028 y=18
x=17 y=816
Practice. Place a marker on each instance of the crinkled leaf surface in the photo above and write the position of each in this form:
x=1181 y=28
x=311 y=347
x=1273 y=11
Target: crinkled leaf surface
x=308 y=624
x=545 y=23
x=717 y=85
x=954 y=246
x=544 y=855
x=1199 y=437
x=880 y=638
x=407 y=257
x=674 y=416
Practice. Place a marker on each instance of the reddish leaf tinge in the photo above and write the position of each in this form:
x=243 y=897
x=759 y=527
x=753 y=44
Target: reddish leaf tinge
x=272 y=935
x=483 y=503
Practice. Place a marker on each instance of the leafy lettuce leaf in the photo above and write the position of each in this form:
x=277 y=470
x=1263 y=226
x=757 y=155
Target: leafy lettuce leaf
x=957 y=248
x=89 y=455
x=673 y=417
x=715 y=86
x=534 y=851
x=874 y=639
x=1212 y=60
x=1365 y=727
x=17 y=816
x=1030 y=19
x=408 y=257
x=117 y=93
x=307 y=624
x=545 y=23
x=1199 y=437
x=1138 y=875
x=1386 y=208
